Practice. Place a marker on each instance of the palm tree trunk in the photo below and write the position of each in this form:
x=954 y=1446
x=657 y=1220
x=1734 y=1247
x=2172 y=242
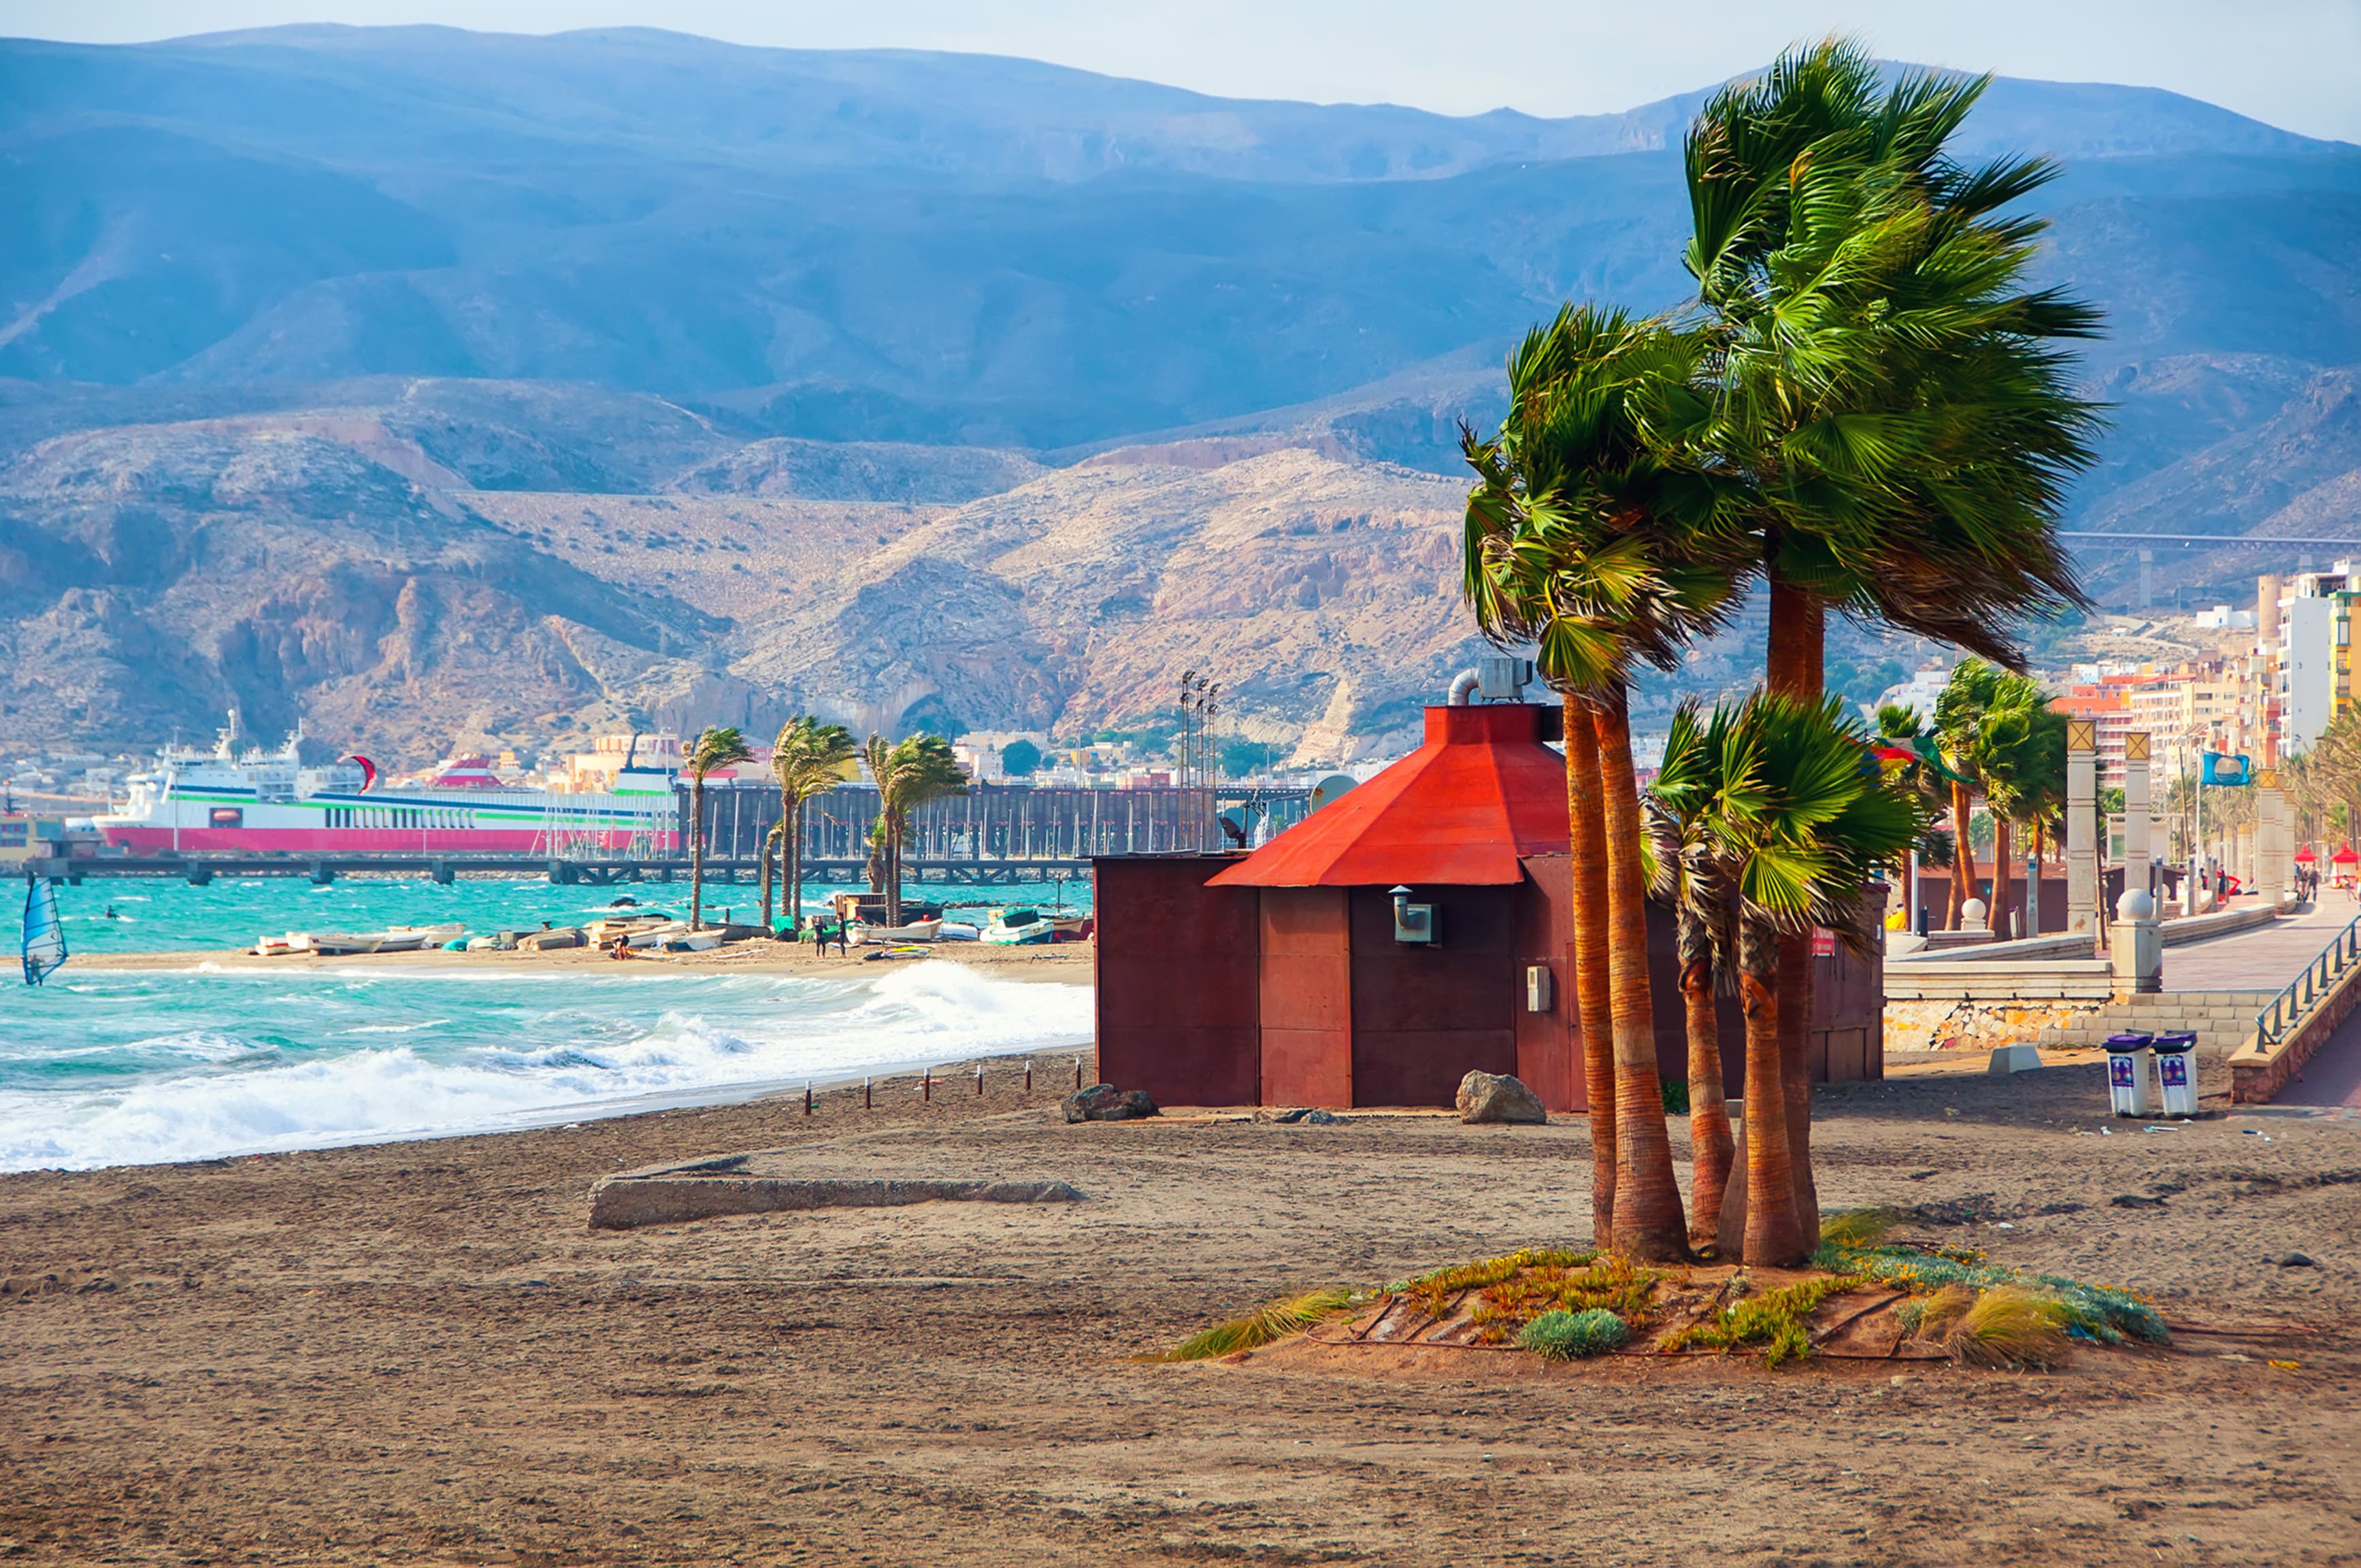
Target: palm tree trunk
x=796 y=868
x=1593 y=1006
x=1648 y=1221
x=1963 y=859
x=769 y=847
x=697 y=851
x=1710 y=1145
x=894 y=869
x=1797 y=661
x=1774 y=1232
x=1997 y=920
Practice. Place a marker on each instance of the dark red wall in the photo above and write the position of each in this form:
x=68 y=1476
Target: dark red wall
x=1307 y=997
x=1424 y=1017
x=1177 y=1001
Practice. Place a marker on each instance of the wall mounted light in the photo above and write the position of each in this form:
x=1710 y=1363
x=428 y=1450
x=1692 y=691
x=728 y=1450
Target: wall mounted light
x=1414 y=924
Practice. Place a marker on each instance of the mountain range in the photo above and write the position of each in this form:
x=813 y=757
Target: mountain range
x=991 y=370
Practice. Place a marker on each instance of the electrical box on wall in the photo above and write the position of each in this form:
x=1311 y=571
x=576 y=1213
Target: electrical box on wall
x=1538 y=995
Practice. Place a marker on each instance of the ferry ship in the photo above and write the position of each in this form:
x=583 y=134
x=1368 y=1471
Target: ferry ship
x=256 y=802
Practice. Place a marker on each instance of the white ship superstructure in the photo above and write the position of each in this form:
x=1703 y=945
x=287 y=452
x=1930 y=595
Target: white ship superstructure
x=224 y=801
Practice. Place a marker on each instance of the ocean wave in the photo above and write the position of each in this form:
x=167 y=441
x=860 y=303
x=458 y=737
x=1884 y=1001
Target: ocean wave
x=520 y=1056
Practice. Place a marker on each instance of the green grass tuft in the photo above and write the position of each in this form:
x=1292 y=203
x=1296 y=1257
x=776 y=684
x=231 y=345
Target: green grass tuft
x=1570 y=1336
x=1276 y=1321
x=1774 y=1320
x=1856 y=1228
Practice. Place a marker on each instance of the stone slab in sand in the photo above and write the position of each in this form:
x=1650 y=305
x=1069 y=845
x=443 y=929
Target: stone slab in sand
x=621 y=1202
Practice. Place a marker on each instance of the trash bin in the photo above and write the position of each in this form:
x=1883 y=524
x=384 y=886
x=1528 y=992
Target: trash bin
x=2127 y=1074
x=2175 y=1073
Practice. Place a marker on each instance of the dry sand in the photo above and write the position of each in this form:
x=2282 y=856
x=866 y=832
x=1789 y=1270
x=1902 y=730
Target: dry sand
x=419 y=1352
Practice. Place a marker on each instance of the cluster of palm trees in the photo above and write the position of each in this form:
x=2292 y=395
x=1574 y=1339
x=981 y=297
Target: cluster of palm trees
x=2000 y=740
x=809 y=758
x=1868 y=410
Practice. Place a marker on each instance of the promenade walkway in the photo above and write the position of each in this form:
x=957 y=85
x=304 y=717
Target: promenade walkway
x=2261 y=960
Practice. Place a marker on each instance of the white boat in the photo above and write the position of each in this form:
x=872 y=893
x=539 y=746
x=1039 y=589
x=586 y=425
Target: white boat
x=334 y=944
x=888 y=935
x=1016 y=929
x=413 y=938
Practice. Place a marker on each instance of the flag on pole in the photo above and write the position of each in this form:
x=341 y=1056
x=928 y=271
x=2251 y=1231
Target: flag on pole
x=2228 y=768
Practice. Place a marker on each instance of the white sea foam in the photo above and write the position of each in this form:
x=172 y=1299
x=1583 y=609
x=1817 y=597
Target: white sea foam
x=523 y=1055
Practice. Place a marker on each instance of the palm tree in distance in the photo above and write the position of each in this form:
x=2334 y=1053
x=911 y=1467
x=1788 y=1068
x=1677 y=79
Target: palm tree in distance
x=1688 y=875
x=1589 y=538
x=2003 y=740
x=908 y=774
x=808 y=759
x=714 y=748
x=1800 y=817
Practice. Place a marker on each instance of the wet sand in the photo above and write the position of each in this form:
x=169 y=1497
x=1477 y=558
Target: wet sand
x=1069 y=963
x=419 y=1352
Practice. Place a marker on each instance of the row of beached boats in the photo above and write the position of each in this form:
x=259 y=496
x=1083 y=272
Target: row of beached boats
x=652 y=932
x=1000 y=928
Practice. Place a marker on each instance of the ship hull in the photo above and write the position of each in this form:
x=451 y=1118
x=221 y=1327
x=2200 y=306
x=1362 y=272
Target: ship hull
x=373 y=841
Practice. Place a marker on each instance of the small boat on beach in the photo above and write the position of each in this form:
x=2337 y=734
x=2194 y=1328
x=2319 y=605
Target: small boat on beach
x=889 y=935
x=1016 y=929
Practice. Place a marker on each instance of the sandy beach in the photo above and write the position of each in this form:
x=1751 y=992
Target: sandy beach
x=419 y=1352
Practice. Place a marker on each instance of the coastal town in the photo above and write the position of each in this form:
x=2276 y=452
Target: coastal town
x=964 y=809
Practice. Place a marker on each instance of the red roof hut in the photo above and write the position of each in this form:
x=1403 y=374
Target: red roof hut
x=1415 y=928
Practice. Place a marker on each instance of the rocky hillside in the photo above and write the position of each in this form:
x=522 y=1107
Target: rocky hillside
x=328 y=566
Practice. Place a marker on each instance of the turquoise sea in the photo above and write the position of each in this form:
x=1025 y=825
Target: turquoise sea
x=106 y=1068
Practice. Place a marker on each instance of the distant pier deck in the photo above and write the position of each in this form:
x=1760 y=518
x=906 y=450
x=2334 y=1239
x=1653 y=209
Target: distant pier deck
x=597 y=871
x=991 y=837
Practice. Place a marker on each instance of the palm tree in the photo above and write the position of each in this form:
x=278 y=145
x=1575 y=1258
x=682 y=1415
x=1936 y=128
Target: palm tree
x=2001 y=739
x=714 y=748
x=909 y=773
x=808 y=759
x=1800 y=817
x=1689 y=877
x=1890 y=397
x=1589 y=538
x=1918 y=769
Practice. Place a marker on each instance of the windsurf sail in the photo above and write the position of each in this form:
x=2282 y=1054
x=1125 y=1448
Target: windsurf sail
x=44 y=935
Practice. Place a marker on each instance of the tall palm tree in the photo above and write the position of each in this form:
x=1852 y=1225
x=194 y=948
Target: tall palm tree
x=1890 y=396
x=909 y=773
x=1589 y=537
x=1801 y=818
x=1688 y=874
x=808 y=759
x=714 y=748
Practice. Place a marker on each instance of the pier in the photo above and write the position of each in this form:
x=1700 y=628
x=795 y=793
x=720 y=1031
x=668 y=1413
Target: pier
x=992 y=836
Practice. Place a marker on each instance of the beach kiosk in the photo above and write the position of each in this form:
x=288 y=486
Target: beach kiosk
x=1415 y=928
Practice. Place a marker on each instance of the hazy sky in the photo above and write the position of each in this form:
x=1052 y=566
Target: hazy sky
x=2296 y=63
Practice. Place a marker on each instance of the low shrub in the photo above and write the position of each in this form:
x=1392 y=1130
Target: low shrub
x=1571 y=1337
